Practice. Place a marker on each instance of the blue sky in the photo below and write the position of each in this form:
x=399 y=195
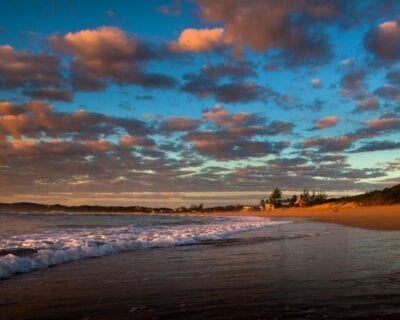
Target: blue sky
x=181 y=102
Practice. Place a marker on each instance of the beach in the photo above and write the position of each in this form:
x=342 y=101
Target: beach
x=291 y=269
x=385 y=217
x=371 y=217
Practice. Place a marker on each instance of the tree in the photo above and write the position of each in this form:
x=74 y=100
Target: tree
x=313 y=198
x=275 y=198
x=292 y=201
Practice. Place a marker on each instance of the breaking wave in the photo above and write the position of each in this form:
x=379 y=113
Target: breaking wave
x=25 y=253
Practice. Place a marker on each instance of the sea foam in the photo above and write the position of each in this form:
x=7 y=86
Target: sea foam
x=60 y=246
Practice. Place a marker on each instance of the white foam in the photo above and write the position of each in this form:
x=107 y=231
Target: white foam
x=63 y=246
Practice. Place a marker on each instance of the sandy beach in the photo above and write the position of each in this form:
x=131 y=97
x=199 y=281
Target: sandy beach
x=369 y=217
x=373 y=217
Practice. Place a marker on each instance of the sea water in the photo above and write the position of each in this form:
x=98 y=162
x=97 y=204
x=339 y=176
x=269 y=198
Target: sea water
x=36 y=241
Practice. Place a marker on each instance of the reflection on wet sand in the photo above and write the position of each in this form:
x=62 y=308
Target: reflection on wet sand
x=292 y=271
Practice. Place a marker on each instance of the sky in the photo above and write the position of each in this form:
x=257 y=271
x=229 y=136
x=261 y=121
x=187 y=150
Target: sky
x=170 y=103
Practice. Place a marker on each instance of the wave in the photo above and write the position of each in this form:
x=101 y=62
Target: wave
x=25 y=253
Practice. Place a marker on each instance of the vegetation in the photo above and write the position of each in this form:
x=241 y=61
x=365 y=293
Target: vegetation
x=376 y=197
x=58 y=208
x=313 y=198
x=276 y=198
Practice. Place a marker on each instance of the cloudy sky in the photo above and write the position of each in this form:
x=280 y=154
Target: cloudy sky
x=185 y=102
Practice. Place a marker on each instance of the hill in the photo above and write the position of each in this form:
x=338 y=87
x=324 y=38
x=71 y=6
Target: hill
x=377 y=197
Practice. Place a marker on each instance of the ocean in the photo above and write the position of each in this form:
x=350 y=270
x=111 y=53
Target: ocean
x=185 y=267
x=30 y=242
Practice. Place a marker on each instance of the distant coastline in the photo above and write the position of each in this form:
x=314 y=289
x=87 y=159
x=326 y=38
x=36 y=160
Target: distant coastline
x=387 y=196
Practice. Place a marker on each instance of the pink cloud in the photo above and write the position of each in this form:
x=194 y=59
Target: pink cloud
x=197 y=40
x=108 y=53
x=129 y=141
x=326 y=122
x=22 y=68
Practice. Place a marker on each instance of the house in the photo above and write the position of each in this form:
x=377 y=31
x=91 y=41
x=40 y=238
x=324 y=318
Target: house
x=299 y=202
x=285 y=203
x=268 y=207
x=247 y=208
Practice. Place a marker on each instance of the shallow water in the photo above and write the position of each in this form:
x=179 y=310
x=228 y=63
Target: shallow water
x=32 y=242
x=302 y=270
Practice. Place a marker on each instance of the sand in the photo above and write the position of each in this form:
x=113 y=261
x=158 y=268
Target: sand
x=351 y=215
x=373 y=217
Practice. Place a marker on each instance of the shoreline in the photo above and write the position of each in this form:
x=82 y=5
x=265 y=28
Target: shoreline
x=382 y=217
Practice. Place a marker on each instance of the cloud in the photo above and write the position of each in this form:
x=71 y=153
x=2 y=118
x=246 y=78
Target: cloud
x=173 y=10
x=38 y=120
x=316 y=83
x=227 y=92
x=265 y=25
x=20 y=68
x=129 y=141
x=347 y=63
x=329 y=144
x=220 y=116
x=326 y=122
x=245 y=124
x=233 y=135
x=178 y=124
x=384 y=124
x=198 y=40
x=223 y=145
x=209 y=83
x=368 y=103
x=388 y=92
x=108 y=53
x=49 y=93
x=384 y=41
x=371 y=128
x=353 y=82
x=232 y=70
x=393 y=77
x=377 y=146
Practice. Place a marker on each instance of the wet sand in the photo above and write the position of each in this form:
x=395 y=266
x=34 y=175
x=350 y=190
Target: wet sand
x=302 y=270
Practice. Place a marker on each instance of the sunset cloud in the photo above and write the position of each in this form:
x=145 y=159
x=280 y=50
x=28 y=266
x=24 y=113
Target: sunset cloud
x=198 y=96
x=39 y=120
x=329 y=144
x=49 y=93
x=326 y=122
x=108 y=53
x=198 y=40
x=264 y=25
x=316 y=83
x=20 y=68
x=384 y=40
x=178 y=124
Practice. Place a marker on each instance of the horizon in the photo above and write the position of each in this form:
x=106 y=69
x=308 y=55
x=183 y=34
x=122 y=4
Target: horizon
x=176 y=103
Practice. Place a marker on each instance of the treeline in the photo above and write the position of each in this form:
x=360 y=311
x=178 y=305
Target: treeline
x=58 y=208
x=377 y=197
x=305 y=199
x=313 y=198
x=36 y=207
